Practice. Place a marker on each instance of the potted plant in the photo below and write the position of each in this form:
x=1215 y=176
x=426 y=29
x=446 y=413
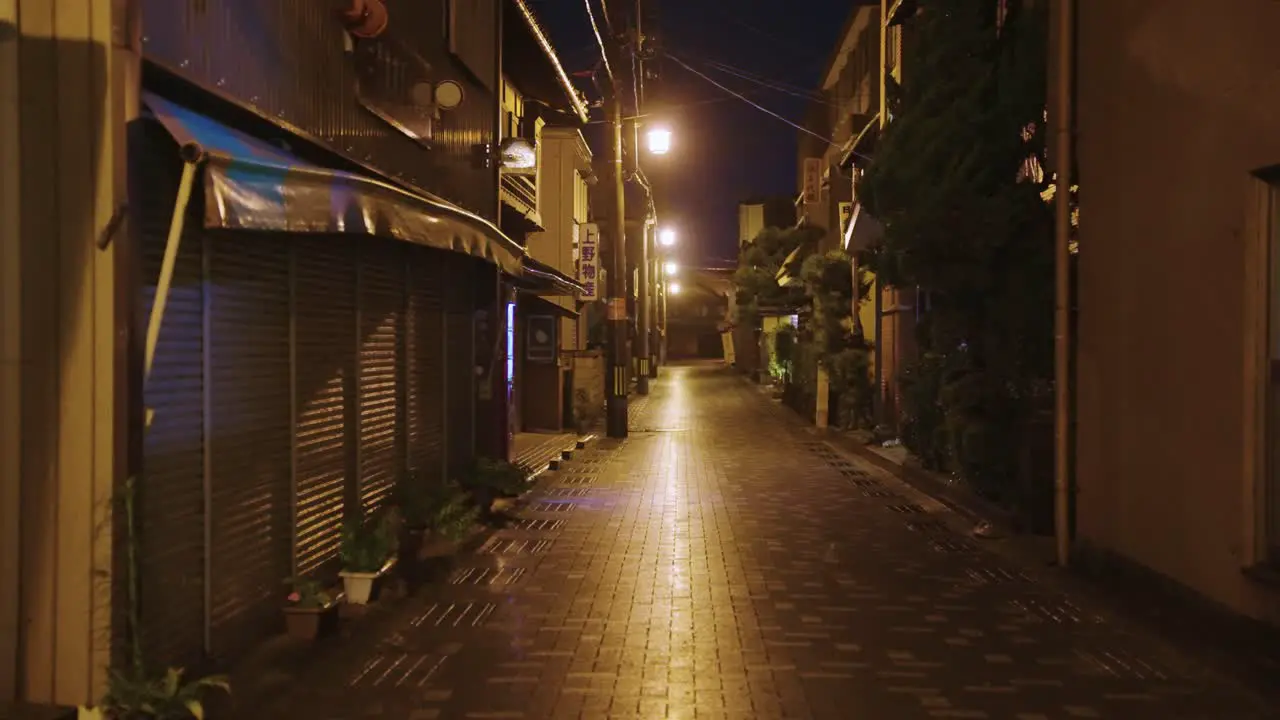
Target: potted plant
x=136 y=696
x=451 y=517
x=366 y=554
x=309 y=610
x=492 y=479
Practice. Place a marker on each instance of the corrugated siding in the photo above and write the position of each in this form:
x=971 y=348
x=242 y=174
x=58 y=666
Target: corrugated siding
x=171 y=490
x=382 y=306
x=252 y=50
x=424 y=357
x=460 y=364
x=250 y=437
x=325 y=353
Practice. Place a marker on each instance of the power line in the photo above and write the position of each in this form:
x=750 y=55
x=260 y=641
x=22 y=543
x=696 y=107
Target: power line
x=599 y=40
x=748 y=101
x=772 y=86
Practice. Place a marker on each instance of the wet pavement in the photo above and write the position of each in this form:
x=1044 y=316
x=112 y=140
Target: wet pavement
x=722 y=562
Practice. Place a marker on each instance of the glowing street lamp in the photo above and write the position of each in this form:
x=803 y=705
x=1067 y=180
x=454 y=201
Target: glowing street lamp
x=674 y=288
x=671 y=268
x=667 y=237
x=659 y=140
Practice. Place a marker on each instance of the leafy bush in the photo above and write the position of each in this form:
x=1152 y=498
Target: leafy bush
x=498 y=476
x=367 y=543
x=138 y=697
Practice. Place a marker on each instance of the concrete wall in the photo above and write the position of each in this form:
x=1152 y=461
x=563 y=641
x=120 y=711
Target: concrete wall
x=1177 y=104
x=67 y=84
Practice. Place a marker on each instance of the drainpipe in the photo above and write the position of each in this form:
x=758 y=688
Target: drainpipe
x=1062 y=286
x=171 y=245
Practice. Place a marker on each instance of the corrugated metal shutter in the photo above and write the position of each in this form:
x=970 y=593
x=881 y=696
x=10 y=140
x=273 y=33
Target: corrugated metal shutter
x=382 y=305
x=171 y=490
x=250 y=436
x=324 y=396
x=425 y=365
x=460 y=364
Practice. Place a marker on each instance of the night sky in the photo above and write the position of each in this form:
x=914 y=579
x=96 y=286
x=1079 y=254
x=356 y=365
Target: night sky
x=724 y=150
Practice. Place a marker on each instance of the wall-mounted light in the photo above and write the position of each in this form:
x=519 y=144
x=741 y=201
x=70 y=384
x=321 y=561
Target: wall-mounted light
x=517 y=154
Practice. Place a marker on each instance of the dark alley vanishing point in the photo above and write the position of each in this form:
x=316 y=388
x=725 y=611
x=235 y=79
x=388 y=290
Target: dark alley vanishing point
x=722 y=562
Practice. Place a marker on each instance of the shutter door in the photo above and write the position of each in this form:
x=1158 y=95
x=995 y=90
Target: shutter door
x=460 y=364
x=324 y=392
x=170 y=501
x=425 y=365
x=250 y=437
x=382 y=303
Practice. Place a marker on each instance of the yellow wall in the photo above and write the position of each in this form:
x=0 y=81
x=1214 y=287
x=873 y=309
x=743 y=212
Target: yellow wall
x=1164 y=445
x=61 y=178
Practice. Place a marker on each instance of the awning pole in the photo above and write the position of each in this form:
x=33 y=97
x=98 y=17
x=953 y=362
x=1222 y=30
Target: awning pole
x=166 y=267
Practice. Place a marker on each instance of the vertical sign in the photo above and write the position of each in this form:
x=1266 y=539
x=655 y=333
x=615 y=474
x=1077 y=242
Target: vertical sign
x=589 y=261
x=812 y=179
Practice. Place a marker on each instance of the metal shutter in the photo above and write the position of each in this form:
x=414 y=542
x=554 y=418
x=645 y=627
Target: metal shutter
x=250 y=436
x=171 y=489
x=424 y=358
x=324 y=393
x=382 y=303
x=460 y=364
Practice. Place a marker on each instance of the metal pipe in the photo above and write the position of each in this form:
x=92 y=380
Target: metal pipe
x=165 y=281
x=1062 y=287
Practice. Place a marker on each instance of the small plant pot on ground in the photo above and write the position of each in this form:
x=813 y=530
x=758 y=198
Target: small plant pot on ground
x=361 y=588
x=311 y=623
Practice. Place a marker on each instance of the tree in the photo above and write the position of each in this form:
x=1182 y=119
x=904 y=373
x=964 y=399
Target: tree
x=964 y=222
x=756 y=279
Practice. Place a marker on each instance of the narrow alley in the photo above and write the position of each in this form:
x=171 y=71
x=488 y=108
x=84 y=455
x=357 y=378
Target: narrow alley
x=721 y=562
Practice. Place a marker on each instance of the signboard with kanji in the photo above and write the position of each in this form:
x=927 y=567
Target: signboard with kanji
x=812 y=180
x=589 y=261
x=846 y=215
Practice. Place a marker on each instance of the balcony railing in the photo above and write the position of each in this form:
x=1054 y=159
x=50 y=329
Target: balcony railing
x=521 y=192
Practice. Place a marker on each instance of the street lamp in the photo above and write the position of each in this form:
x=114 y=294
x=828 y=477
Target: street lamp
x=671 y=267
x=659 y=140
x=674 y=288
x=667 y=237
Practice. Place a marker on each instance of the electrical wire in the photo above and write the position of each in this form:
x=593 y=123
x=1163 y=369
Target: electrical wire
x=771 y=86
x=762 y=79
x=748 y=101
x=599 y=39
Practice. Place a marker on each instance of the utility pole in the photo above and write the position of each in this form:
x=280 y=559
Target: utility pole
x=615 y=237
x=643 y=302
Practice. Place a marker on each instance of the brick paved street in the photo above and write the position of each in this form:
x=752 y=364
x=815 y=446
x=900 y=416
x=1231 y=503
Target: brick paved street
x=723 y=563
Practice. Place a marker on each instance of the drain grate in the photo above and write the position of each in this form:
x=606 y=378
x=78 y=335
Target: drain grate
x=397 y=670
x=866 y=482
x=952 y=545
x=854 y=473
x=1120 y=664
x=537 y=524
x=457 y=614
x=880 y=493
x=1059 y=611
x=502 y=546
x=486 y=576
x=569 y=492
x=554 y=506
x=926 y=526
x=907 y=509
x=996 y=576
x=586 y=480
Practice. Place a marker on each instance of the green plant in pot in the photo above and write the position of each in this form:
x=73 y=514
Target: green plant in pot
x=492 y=479
x=137 y=696
x=309 y=611
x=368 y=545
x=439 y=511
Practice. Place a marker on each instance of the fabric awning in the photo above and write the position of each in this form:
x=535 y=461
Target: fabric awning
x=542 y=279
x=250 y=184
x=539 y=305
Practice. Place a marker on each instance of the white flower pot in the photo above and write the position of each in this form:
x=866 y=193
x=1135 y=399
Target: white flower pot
x=357 y=586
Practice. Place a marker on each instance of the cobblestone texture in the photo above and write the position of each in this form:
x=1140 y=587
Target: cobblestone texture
x=722 y=563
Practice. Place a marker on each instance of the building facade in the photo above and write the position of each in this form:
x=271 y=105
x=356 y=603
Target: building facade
x=1176 y=461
